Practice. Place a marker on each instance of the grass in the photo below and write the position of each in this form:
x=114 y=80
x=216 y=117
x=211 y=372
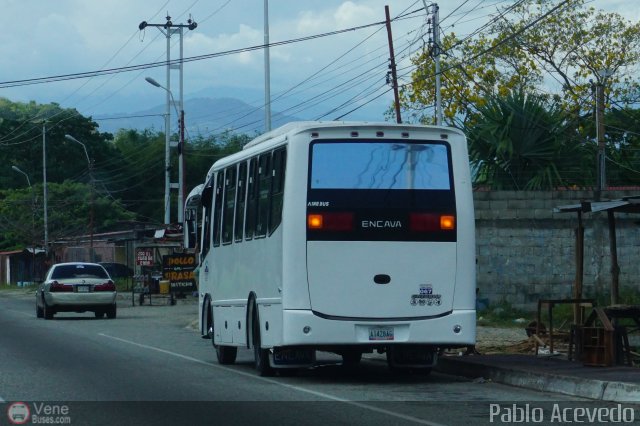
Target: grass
x=503 y=314
x=26 y=289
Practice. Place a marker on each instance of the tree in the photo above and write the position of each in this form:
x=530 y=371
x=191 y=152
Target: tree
x=623 y=146
x=521 y=142
x=128 y=170
x=550 y=47
x=140 y=184
x=69 y=205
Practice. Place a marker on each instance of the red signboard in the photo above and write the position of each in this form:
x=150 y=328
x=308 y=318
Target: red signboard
x=144 y=257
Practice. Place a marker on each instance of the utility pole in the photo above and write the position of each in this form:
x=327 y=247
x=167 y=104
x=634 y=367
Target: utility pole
x=392 y=65
x=599 y=89
x=44 y=188
x=267 y=70
x=92 y=211
x=169 y=29
x=435 y=53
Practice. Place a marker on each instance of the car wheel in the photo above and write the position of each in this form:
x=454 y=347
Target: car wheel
x=99 y=314
x=48 y=311
x=111 y=311
x=39 y=311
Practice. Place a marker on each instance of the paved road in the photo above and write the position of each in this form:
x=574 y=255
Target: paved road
x=152 y=368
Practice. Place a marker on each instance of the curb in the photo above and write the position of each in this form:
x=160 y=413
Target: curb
x=557 y=383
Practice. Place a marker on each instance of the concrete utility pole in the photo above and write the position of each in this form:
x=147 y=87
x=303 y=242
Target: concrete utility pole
x=392 y=65
x=44 y=188
x=169 y=29
x=267 y=70
x=435 y=52
x=598 y=89
x=601 y=143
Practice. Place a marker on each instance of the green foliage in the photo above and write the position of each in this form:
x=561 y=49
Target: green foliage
x=554 y=49
x=536 y=40
x=69 y=212
x=521 y=142
x=503 y=314
x=127 y=172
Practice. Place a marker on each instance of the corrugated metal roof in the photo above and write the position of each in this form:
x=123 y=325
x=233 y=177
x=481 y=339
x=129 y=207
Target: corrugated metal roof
x=624 y=205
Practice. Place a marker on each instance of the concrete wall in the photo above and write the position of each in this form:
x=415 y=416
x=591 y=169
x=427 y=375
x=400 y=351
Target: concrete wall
x=526 y=252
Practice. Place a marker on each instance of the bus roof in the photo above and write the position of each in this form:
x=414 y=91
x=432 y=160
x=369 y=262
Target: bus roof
x=194 y=196
x=303 y=126
x=296 y=127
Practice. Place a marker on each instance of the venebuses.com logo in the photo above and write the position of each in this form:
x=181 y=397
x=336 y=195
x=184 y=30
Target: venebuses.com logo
x=20 y=413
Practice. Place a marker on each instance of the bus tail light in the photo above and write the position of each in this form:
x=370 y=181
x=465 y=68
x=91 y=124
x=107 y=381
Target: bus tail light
x=330 y=221
x=425 y=222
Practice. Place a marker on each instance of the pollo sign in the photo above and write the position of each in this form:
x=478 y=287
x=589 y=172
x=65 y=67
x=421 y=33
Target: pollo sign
x=178 y=269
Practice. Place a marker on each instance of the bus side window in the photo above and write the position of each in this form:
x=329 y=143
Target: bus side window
x=264 y=193
x=228 y=204
x=217 y=207
x=252 y=188
x=240 y=201
x=277 y=188
x=207 y=195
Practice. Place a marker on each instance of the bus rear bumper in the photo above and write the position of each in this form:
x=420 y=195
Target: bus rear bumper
x=303 y=327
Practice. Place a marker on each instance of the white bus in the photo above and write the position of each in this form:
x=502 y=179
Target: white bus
x=340 y=237
x=192 y=222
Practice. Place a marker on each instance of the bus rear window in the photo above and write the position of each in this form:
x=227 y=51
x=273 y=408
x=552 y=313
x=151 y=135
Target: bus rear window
x=388 y=165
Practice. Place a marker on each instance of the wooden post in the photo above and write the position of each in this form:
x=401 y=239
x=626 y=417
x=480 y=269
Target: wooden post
x=613 y=248
x=394 y=75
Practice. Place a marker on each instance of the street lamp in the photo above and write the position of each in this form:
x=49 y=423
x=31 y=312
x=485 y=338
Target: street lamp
x=167 y=176
x=33 y=221
x=91 y=213
x=15 y=168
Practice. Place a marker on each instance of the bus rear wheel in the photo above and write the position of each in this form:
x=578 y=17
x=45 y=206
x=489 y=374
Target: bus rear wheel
x=261 y=355
x=226 y=354
x=351 y=358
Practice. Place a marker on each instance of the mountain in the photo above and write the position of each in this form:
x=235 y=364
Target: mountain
x=203 y=116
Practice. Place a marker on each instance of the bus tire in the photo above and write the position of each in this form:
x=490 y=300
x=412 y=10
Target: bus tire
x=226 y=354
x=261 y=356
x=351 y=358
x=207 y=317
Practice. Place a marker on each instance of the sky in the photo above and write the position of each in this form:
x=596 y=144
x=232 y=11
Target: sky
x=322 y=77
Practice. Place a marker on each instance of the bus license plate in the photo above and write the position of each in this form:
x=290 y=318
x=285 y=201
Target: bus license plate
x=83 y=288
x=380 y=333
x=292 y=356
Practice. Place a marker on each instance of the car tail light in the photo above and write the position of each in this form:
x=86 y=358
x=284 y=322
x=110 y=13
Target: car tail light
x=330 y=221
x=108 y=286
x=57 y=287
x=425 y=222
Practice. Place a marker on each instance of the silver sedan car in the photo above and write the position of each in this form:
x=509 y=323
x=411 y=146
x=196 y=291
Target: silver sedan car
x=76 y=287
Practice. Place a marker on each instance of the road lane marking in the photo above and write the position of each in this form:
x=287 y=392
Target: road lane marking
x=275 y=382
x=28 y=314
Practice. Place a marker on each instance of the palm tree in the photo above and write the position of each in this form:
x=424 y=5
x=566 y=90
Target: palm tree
x=521 y=141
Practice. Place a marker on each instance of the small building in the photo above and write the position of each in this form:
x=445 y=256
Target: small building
x=22 y=267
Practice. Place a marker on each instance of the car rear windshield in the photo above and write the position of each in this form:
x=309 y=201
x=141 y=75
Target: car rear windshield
x=79 y=271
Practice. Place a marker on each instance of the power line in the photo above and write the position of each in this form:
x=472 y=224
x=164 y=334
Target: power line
x=88 y=74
